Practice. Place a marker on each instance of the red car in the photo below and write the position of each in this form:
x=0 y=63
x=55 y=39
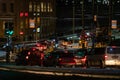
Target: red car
x=73 y=57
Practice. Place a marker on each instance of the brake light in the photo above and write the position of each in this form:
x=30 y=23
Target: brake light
x=59 y=59
x=106 y=56
x=28 y=53
x=44 y=47
x=50 y=56
x=41 y=48
x=27 y=57
x=38 y=44
x=84 y=59
x=33 y=49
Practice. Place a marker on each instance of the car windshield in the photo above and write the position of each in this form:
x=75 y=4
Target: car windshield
x=67 y=55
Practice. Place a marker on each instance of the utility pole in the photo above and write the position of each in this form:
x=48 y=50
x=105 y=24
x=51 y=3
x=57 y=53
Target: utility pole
x=110 y=14
x=83 y=27
x=73 y=18
x=83 y=15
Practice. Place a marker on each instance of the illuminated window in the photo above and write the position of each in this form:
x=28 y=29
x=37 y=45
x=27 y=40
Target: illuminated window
x=44 y=5
x=38 y=20
x=41 y=6
x=38 y=8
x=50 y=9
x=30 y=6
x=35 y=7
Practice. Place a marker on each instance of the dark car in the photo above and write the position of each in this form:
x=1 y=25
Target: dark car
x=30 y=56
x=22 y=58
x=74 y=57
x=96 y=57
x=66 y=57
x=80 y=56
x=51 y=59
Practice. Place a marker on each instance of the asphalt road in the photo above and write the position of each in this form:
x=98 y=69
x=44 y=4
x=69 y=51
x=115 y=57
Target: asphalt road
x=12 y=75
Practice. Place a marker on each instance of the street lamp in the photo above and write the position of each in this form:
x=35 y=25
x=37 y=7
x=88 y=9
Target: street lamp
x=73 y=21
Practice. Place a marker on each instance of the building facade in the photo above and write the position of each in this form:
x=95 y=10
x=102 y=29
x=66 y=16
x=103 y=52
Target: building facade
x=7 y=14
x=88 y=14
x=33 y=19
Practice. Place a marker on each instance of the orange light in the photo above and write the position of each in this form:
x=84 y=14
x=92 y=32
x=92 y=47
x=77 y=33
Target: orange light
x=21 y=33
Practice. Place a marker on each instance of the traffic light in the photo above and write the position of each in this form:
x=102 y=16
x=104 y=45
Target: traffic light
x=8 y=28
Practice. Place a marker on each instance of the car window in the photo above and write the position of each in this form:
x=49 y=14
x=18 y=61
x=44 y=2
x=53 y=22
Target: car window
x=97 y=51
x=113 y=50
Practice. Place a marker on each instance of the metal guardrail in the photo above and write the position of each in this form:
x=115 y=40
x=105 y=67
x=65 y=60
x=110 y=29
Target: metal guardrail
x=97 y=73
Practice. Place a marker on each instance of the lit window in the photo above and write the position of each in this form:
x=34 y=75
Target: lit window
x=51 y=7
x=38 y=8
x=48 y=7
x=44 y=7
x=30 y=6
x=34 y=7
x=41 y=6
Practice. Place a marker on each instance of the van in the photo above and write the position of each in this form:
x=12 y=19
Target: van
x=96 y=57
x=112 y=56
x=102 y=57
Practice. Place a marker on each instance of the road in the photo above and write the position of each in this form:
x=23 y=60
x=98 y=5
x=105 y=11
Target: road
x=14 y=72
x=12 y=75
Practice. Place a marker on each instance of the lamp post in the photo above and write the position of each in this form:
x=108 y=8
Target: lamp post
x=73 y=21
x=83 y=27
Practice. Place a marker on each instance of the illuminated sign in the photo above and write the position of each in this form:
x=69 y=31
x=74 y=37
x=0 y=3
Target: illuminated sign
x=114 y=24
x=32 y=23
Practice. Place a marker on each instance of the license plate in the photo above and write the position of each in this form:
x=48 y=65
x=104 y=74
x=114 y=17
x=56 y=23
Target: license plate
x=114 y=57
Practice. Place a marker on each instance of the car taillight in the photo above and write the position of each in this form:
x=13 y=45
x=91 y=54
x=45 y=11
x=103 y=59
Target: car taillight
x=59 y=59
x=27 y=57
x=105 y=56
x=41 y=48
x=33 y=49
x=84 y=58
x=50 y=56
x=44 y=47
x=28 y=53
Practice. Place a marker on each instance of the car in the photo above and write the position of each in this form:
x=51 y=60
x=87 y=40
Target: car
x=80 y=56
x=30 y=56
x=66 y=57
x=112 y=56
x=73 y=57
x=103 y=57
x=22 y=58
x=96 y=57
x=51 y=58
